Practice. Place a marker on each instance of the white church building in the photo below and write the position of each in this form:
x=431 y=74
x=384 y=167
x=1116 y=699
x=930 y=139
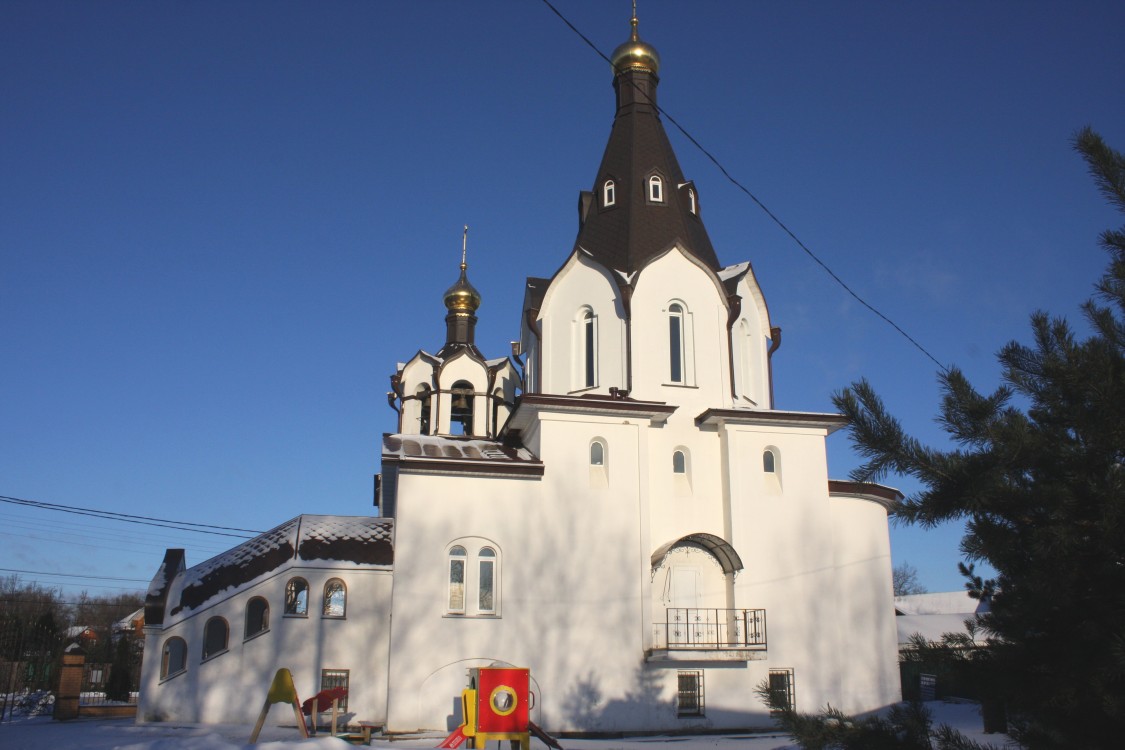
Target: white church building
x=616 y=506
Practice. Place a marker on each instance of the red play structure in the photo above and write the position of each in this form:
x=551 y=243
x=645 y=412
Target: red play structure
x=497 y=706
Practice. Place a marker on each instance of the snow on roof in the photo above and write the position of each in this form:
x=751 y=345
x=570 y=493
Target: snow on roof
x=932 y=627
x=731 y=271
x=456 y=448
x=311 y=540
x=940 y=603
x=126 y=622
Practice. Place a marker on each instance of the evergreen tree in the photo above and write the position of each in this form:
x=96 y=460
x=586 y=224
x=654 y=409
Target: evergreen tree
x=1037 y=473
x=120 y=682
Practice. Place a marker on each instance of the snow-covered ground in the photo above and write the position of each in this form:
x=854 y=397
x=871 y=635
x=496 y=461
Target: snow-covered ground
x=41 y=733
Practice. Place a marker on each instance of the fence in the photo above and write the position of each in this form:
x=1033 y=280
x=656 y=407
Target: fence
x=29 y=663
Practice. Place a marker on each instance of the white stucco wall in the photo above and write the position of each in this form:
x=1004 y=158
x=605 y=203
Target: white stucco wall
x=231 y=686
x=581 y=284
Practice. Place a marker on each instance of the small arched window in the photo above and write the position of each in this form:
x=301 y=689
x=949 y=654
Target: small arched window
x=769 y=462
x=456 y=603
x=597 y=453
x=691 y=201
x=257 y=616
x=676 y=342
x=335 y=598
x=215 y=634
x=609 y=194
x=656 y=189
x=297 y=597
x=486 y=599
x=679 y=462
x=173 y=657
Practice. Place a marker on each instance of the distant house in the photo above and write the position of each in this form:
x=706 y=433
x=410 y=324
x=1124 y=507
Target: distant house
x=84 y=635
x=933 y=615
x=132 y=624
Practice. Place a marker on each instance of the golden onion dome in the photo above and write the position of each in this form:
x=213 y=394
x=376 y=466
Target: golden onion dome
x=635 y=55
x=462 y=296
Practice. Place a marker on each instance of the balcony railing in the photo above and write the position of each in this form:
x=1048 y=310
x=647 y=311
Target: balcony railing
x=712 y=629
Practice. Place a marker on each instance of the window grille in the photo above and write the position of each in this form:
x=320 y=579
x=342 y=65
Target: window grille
x=781 y=691
x=689 y=694
x=335 y=678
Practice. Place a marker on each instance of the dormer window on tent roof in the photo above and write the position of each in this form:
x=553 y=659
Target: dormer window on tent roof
x=656 y=189
x=609 y=194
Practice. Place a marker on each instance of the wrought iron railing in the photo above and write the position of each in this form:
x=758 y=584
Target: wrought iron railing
x=712 y=629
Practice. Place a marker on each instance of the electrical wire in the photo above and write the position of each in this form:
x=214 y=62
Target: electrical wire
x=73 y=575
x=200 y=528
x=754 y=198
x=112 y=541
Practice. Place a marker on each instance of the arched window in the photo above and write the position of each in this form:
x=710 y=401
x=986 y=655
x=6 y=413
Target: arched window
x=691 y=201
x=589 y=348
x=486 y=600
x=173 y=657
x=456 y=602
x=609 y=194
x=656 y=189
x=423 y=394
x=597 y=453
x=215 y=634
x=461 y=412
x=679 y=462
x=676 y=342
x=771 y=469
x=297 y=597
x=335 y=598
x=473 y=566
x=257 y=616
x=745 y=341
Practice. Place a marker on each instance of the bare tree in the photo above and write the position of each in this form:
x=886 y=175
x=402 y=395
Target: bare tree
x=905 y=579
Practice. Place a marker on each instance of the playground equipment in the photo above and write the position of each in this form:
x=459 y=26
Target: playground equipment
x=497 y=706
x=281 y=691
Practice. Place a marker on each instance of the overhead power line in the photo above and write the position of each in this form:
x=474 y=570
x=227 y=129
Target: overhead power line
x=200 y=528
x=773 y=217
x=73 y=575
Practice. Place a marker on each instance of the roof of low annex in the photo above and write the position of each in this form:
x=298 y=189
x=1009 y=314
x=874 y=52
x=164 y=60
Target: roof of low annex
x=307 y=540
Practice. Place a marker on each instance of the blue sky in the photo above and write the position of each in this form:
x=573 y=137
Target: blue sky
x=223 y=223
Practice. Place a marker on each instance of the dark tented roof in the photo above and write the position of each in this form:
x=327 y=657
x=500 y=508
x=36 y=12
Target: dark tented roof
x=634 y=231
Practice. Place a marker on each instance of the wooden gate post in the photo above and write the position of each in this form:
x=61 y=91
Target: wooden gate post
x=70 y=684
